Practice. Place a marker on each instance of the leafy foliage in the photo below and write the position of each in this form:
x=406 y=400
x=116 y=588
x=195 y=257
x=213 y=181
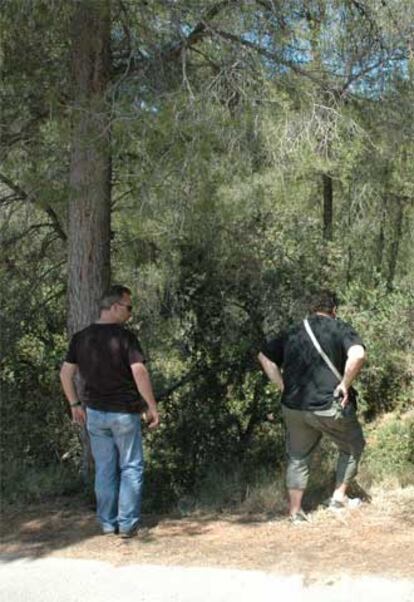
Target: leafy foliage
x=224 y=121
x=390 y=453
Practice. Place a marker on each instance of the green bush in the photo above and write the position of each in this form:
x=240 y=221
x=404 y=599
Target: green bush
x=384 y=320
x=22 y=484
x=389 y=455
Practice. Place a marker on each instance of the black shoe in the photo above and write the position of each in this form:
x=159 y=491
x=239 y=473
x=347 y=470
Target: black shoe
x=128 y=534
x=137 y=531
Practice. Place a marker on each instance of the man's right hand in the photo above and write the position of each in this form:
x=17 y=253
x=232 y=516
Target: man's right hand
x=78 y=415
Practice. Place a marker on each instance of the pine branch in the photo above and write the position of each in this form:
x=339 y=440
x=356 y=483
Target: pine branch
x=266 y=53
x=11 y=241
x=23 y=195
x=174 y=51
x=199 y=31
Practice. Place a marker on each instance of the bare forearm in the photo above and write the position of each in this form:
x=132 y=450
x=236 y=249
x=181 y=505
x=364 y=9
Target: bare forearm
x=355 y=361
x=67 y=375
x=68 y=386
x=271 y=370
x=144 y=386
x=352 y=369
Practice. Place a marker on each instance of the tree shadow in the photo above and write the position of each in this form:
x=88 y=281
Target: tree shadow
x=66 y=522
x=55 y=524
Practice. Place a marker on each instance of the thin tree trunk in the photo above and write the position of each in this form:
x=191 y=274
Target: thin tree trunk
x=90 y=170
x=349 y=244
x=327 y=207
x=395 y=244
x=381 y=237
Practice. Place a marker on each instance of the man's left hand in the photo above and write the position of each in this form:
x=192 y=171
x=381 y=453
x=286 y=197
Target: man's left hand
x=152 y=418
x=341 y=392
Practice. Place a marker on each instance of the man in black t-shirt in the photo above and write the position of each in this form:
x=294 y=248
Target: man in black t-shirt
x=314 y=400
x=116 y=387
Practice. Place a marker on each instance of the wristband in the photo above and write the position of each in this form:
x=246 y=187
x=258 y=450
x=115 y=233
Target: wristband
x=75 y=404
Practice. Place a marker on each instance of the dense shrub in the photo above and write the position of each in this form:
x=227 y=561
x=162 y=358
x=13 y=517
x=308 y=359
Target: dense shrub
x=389 y=455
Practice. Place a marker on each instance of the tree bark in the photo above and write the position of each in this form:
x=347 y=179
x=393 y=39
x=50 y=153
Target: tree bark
x=90 y=169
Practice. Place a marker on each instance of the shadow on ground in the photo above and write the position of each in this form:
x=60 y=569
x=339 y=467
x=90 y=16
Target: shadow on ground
x=57 y=524
x=377 y=538
x=43 y=528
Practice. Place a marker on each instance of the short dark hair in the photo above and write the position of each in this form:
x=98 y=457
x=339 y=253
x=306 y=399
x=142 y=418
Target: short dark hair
x=113 y=295
x=324 y=300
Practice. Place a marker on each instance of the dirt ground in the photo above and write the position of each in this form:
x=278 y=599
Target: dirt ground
x=375 y=539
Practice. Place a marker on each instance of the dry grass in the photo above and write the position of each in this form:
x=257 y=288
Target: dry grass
x=377 y=538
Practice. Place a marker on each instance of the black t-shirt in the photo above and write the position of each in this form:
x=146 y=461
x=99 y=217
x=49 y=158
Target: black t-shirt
x=309 y=383
x=104 y=354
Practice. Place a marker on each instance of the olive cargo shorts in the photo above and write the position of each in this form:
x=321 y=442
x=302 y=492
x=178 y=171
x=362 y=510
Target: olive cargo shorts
x=304 y=431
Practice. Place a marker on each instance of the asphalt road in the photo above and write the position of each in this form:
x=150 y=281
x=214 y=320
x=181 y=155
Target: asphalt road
x=70 y=580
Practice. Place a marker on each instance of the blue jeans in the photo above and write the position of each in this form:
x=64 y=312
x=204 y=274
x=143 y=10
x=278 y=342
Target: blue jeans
x=116 y=445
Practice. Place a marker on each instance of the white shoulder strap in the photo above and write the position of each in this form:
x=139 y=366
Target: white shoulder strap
x=320 y=350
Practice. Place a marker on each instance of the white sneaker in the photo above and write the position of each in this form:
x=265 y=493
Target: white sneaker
x=350 y=503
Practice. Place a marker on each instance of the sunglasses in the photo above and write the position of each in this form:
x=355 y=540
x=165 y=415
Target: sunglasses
x=129 y=307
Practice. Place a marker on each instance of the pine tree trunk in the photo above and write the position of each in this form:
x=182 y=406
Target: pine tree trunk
x=90 y=170
x=90 y=176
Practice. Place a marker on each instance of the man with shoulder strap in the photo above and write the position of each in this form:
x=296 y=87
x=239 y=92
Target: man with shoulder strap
x=314 y=364
x=116 y=383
